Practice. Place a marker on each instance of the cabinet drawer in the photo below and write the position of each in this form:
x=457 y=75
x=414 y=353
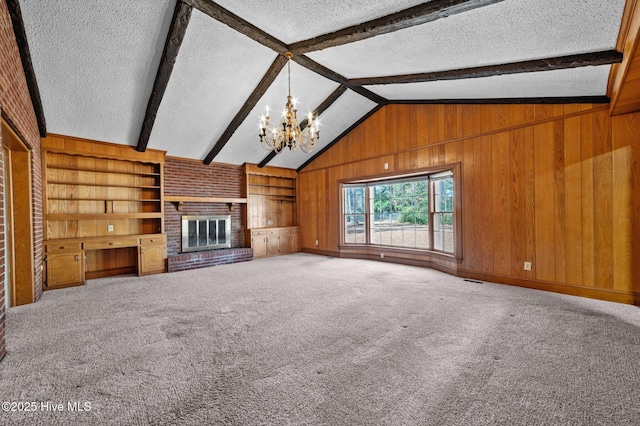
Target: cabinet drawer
x=258 y=233
x=99 y=245
x=153 y=240
x=63 y=247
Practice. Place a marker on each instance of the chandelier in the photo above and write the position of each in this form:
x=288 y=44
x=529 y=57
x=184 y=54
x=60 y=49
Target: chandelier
x=289 y=133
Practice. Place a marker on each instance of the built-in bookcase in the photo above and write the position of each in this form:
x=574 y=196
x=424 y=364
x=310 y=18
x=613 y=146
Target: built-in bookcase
x=103 y=211
x=93 y=197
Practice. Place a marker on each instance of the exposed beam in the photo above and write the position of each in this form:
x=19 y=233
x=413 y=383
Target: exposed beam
x=537 y=65
x=251 y=102
x=508 y=101
x=417 y=15
x=331 y=75
x=342 y=135
x=177 y=30
x=237 y=23
x=303 y=124
x=27 y=65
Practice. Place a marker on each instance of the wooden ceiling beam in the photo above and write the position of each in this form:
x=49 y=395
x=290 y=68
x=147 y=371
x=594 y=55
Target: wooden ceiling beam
x=177 y=30
x=311 y=65
x=27 y=65
x=316 y=112
x=343 y=134
x=537 y=65
x=256 y=95
x=417 y=15
x=221 y=14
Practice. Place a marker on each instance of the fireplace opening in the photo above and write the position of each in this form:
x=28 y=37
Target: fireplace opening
x=205 y=233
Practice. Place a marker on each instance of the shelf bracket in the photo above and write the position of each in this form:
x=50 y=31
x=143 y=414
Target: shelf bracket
x=232 y=206
x=180 y=205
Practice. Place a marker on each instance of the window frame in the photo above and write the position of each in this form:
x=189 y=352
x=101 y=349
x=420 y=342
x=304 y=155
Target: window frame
x=431 y=172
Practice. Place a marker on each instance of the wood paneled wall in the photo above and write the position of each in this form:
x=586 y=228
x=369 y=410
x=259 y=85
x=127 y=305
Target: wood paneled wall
x=555 y=185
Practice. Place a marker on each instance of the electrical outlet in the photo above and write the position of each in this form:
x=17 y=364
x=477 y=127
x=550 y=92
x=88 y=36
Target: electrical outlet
x=316 y=242
x=109 y=228
x=386 y=166
x=527 y=266
x=269 y=222
x=381 y=255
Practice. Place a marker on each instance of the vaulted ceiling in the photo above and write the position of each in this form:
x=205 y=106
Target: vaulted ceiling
x=192 y=77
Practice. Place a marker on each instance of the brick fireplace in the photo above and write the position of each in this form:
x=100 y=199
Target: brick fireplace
x=190 y=178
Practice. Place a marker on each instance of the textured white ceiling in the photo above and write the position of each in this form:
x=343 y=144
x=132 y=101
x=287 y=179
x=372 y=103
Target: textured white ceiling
x=307 y=87
x=296 y=21
x=348 y=109
x=216 y=71
x=95 y=63
x=587 y=81
x=509 y=31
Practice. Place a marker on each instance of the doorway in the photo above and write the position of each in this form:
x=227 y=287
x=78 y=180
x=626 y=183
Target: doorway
x=19 y=280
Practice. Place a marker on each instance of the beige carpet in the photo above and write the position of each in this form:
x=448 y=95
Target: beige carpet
x=305 y=339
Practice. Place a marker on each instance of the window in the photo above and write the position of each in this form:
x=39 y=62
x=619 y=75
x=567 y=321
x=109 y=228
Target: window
x=416 y=212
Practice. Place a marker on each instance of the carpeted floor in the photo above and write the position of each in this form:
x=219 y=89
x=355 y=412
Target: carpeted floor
x=305 y=339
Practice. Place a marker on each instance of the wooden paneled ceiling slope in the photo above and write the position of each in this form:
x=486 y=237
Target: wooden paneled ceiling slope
x=192 y=76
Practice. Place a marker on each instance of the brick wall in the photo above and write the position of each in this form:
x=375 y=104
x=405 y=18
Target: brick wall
x=194 y=179
x=18 y=111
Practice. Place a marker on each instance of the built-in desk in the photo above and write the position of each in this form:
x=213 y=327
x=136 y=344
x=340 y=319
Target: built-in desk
x=69 y=262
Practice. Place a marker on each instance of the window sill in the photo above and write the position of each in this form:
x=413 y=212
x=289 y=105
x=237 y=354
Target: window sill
x=389 y=251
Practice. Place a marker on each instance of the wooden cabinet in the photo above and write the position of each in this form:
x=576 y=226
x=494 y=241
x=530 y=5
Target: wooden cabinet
x=294 y=237
x=274 y=241
x=106 y=201
x=65 y=265
x=271 y=210
x=271 y=197
x=152 y=255
x=258 y=241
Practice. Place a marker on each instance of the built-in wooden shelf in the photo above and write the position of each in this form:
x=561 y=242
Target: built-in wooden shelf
x=181 y=199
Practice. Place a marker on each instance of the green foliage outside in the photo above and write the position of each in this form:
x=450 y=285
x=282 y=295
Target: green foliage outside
x=410 y=201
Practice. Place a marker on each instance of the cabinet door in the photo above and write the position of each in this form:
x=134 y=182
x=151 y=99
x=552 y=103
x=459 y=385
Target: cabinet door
x=285 y=243
x=151 y=260
x=295 y=243
x=259 y=245
x=273 y=245
x=65 y=269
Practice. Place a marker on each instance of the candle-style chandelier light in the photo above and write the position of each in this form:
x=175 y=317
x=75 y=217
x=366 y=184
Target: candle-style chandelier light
x=289 y=133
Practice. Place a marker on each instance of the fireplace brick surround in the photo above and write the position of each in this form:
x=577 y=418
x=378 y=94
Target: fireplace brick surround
x=190 y=178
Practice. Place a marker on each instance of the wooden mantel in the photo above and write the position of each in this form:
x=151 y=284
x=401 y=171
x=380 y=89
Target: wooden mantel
x=181 y=199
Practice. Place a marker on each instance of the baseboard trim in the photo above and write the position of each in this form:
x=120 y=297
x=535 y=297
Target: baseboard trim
x=630 y=298
x=591 y=293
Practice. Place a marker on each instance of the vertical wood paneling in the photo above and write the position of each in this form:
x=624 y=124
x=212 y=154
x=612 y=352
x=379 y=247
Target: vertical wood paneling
x=530 y=186
x=518 y=215
x=558 y=191
x=603 y=201
x=624 y=130
x=586 y=170
x=501 y=196
x=544 y=168
x=573 y=194
x=559 y=201
x=486 y=189
x=471 y=227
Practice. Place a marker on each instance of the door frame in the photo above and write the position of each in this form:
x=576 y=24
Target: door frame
x=19 y=244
